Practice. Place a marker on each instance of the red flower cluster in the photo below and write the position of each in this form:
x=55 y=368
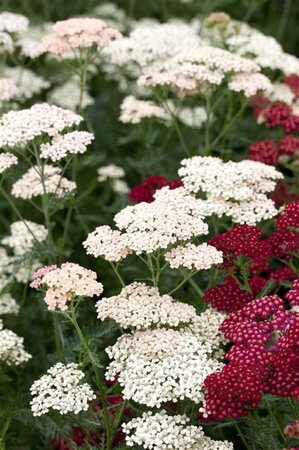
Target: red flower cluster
x=289 y=218
x=279 y=114
x=268 y=152
x=263 y=358
x=293 y=295
x=283 y=194
x=227 y=297
x=144 y=192
x=293 y=82
x=242 y=240
x=232 y=392
x=265 y=151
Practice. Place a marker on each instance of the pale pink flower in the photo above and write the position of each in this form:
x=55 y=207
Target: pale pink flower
x=64 y=283
x=79 y=33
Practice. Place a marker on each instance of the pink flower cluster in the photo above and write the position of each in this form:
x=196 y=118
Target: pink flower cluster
x=64 y=283
x=79 y=33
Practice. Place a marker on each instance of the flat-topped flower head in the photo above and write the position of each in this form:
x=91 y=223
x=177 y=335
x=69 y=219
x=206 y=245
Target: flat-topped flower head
x=27 y=83
x=8 y=305
x=111 y=171
x=31 y=185
x=12 y=352
x=160 y=431
x=24 y=236
x=7 y=160
x=173 y=216
x=140 y=306
x=62 y=145
x=61 y=390
x=157 y=366
x=77 y=33
x=107 y=243
x=134 y=111
x=8 y=90
x=13 y=23
x=191 y=256
x=65 y=283
x=237 y=188
x=17 y=128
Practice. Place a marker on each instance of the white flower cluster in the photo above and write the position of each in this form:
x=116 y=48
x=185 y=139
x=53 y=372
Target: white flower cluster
x=264 y=50
x=30 y=41
x=12 y=350
x=250 y=84
x=63 y=144
x=61 y=390
x=27 y=82
x=206 y=328
x=152 y=43
x=140 y=306
x=236 y=189
x=16 y=267
x=173 y=216
x=134 y=110
x=113 y=15
x=157 y=366
x=115 y=174
x=20 y=127
x=8 y=89
x=67 y=95
x=13 y=23
x=31 y=185
x=8 y=305
x=107 y=243
x=7 y=160
x=110 y=171
x=193 y=70
x=191 y=256
x=193 y=117
x=24 y=236
x=282 y=93
x=6 y=43
x=159 y=431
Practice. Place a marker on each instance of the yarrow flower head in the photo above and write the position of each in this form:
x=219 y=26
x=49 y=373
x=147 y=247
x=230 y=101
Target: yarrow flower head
x=17 y=128
x=62 y=145
x=111 y=171
x=12 y=350
x=140 y=306
x=236 y=189
x=172 y=216
x=77 y=33
x=7 y=160
x=107 y=243
x=26 y=81
x=13 y=23
x=67 y=95
x=265 y=151
x=156 y=366
x=159 y=431
x=134 y=110
x=8 y=90
x=24 y=236
x=289 y=217
x=8 y=305
x=31 y=185
x=64 y=283
x=61 y=390
x=191 y=256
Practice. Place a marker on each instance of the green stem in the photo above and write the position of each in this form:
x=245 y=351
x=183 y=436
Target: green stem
x=275 y=420
x=84 y=343
x=115 y=269
x=190 y=275
x=246 y=445
x=16 y=211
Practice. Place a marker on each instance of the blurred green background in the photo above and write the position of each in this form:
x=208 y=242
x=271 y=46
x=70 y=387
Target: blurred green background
x=275 y=17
